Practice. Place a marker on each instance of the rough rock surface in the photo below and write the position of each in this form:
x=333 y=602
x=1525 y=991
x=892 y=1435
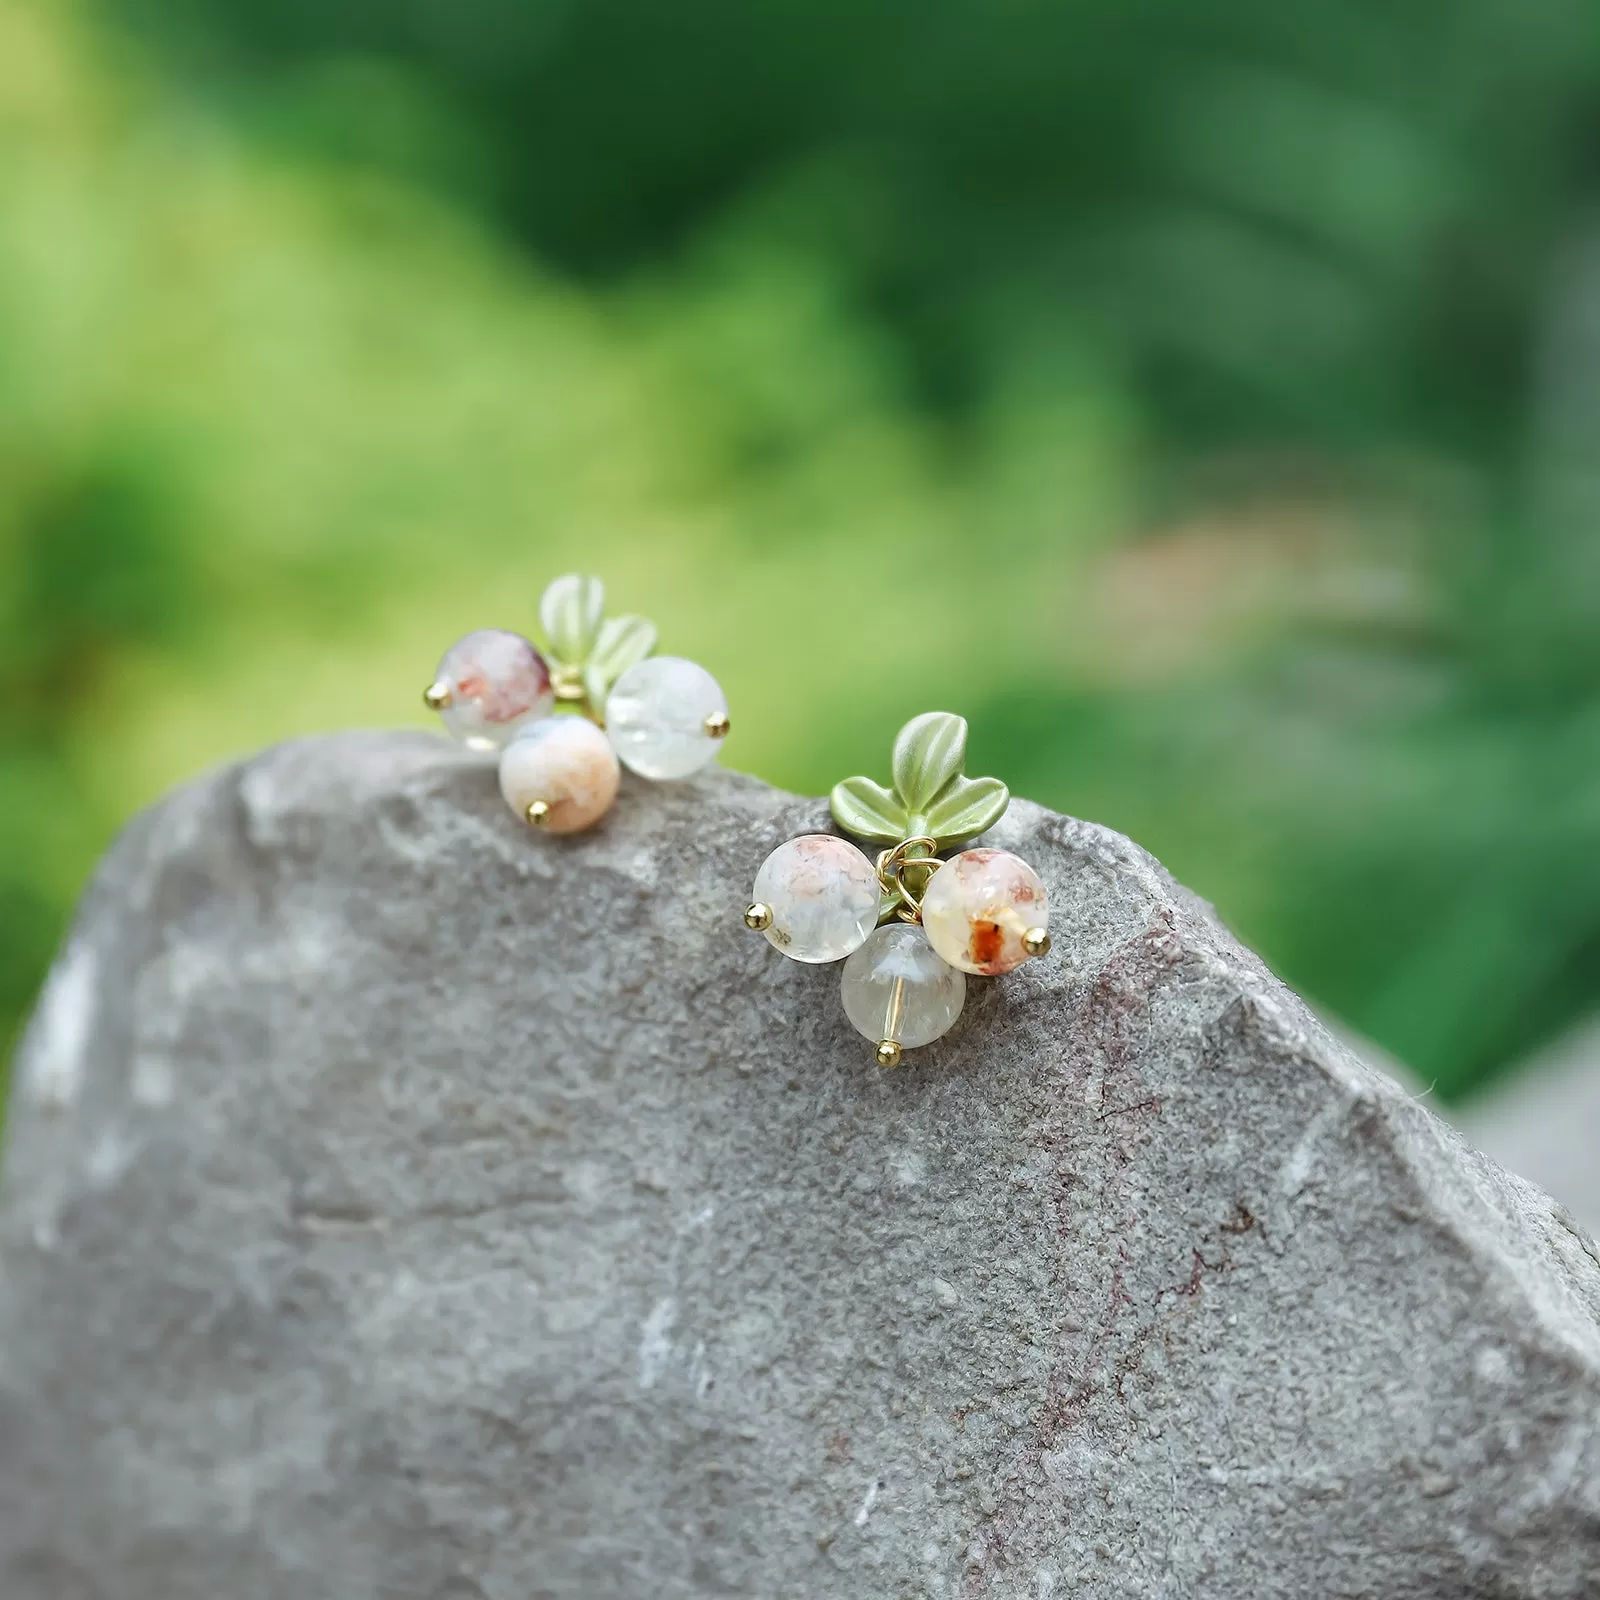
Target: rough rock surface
x=399 y=1203
x=1543 y=1121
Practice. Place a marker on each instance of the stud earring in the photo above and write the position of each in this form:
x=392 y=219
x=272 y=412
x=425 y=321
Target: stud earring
x=911 y=925
x=564 y=718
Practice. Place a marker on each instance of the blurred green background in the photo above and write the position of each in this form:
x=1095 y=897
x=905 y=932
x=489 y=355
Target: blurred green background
x=1205 y=400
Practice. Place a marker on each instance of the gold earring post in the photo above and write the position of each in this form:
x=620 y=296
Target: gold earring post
x=539 y=813
x=758 y=917
x=437 y=696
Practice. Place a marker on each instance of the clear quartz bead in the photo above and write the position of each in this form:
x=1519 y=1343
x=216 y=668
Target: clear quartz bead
x=979 y=906
x=895 y=987
x=567 y=763
x=656 y=716
x=823 y=894
x=498 y=684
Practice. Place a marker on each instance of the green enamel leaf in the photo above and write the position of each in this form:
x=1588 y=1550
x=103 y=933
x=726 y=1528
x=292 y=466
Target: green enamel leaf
x=931 y=750
x=931 y=798
x=622 y=642
x=571 y=611
x=868 y=810
x=966 y=808
x=596 y=686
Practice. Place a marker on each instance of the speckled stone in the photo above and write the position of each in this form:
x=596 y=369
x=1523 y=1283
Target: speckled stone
x=979 y=905
x=498 y=682
x=568 y=763
x=823 y=894
x=399 y=1207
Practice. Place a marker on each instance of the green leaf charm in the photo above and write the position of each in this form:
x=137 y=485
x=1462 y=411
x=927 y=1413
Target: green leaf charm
x=868 y=810
x=931 y=797
x=622 y=642
x=570 y=611
x=966 y=808
x=588 y=650
x=931 y=750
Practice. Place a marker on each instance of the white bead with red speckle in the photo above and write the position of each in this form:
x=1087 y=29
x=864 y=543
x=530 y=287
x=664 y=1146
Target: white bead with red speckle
x=567 y=765
x=823 y=895
x=980 y=906
x=497 y=684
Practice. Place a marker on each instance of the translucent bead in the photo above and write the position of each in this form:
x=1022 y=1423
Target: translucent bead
x=568 y=764
x=497 y=683
x=978 y=908
x=896 y=988
x=823 y=896
x=657 y=714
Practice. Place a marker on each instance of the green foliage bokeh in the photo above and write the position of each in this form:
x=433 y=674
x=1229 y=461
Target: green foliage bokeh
x=1204 y=408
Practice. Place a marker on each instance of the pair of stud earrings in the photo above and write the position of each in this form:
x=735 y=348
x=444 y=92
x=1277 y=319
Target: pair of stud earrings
x=909 y=925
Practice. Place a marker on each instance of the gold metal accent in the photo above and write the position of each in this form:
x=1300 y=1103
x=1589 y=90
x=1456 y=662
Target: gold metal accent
x=437 y=696
x=539 y=813
x=758 y=917
x=717 y=725
x=1036 y=941
x=888 y=1053
x=568 y=686
x=567 y=683
x=893 y=865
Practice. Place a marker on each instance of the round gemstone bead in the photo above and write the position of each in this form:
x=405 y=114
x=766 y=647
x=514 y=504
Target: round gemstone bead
x=498 y=683
x=979 y=907
x=823 y=895
x=656 y=715
x=895 y=987
x=567 y=763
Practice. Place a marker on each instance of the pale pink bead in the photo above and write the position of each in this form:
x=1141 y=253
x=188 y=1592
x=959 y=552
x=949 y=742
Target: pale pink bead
x=823 y=894
x=569 y=765
x=497 y=683
x=979 y=907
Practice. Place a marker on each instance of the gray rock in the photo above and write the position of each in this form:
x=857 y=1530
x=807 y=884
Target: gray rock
x=400 y=1203
x=1543 y=1121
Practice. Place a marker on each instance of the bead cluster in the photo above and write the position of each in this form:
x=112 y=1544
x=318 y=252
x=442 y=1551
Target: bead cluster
x=660 y=716
x=909 y=926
